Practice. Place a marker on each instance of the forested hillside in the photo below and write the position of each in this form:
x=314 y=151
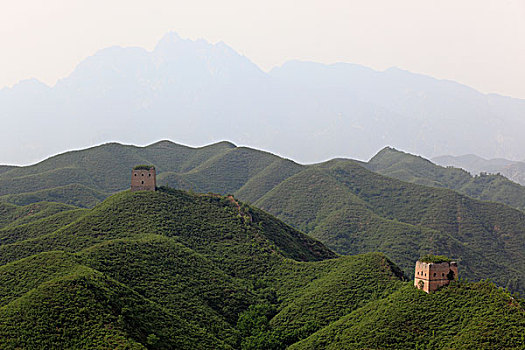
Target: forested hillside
x=514 y=170
x=168 y=269
x=171 y=269
x=410 y=168
x=349 y=208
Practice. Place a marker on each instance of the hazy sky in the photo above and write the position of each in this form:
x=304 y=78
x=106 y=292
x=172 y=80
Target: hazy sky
x=477 y=42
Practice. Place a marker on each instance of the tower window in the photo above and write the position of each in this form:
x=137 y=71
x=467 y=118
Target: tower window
x=143 y=182
x=149 y=174
x=135 y=174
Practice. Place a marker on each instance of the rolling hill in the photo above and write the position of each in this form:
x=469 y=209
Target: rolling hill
x=513 y=170
x=171 y=269
x=164 y=270
x=410 y=168
x=407 y=319
x=348 y=207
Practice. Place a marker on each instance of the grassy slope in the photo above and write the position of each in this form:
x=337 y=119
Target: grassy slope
x=72 y=194
x=462 y=316
x=175 y=270
x=353 y=210
x=195 y=262
x=350 y=209
x=342 y=285
x=78 y=307
x=104 y=168
x=406 y=167
x=12 y=215
x=20 y=232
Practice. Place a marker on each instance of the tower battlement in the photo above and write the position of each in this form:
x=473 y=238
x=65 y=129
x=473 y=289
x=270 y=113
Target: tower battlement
x=143 y=178
x=430 y=276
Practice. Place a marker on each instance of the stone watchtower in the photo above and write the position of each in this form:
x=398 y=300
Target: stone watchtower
x=433 y=272
x=143 y=178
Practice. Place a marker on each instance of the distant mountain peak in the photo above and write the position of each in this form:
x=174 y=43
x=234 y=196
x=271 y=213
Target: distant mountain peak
x=31 y=84
x=169 y=39
x=387 y=150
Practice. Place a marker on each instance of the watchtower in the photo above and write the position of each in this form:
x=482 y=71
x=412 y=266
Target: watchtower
x=143 y=178
x=433 y=272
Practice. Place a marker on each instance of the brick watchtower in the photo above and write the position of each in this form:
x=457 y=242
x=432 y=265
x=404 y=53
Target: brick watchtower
x=143 y=178
x=433 y=272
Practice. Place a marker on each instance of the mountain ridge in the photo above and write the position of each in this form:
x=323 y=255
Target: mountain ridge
x=341 y=202
x=198 y=92
x=172 y=269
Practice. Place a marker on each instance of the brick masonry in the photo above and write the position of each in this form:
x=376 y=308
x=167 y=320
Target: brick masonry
x=432 y=276
x=143 y=180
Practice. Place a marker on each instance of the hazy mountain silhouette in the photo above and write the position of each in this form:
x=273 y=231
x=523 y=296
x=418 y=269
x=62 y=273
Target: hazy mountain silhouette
x=514 y=170
x=197 y=93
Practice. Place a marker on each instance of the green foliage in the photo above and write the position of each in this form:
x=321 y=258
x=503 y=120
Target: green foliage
x=193 y=256
x=85 y=309
x=429 y=258
x=353 y=210
x=410 y=168
x=461 y=316
x=74 y=194
x=143 y=167
x=339 y=202
x=170 y=269
x=254 y=328
x=12 y=215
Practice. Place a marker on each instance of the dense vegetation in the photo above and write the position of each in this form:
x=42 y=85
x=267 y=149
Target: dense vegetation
x=460 y=316
x=349 y=208
x=170 y=269
x=410 y=168
x=143 y=167
x=74 y=194
x=436 y=259
x=167 y=270
x=353 y=210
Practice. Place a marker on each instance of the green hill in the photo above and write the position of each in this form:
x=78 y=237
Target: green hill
x=4 y=168
x=73 y=194
x=12 y=215
x=170 y=269
x=461 y=316
x=410 y=168
x=349 y=208
x=353 y=210
x=84 y=177
x=54 y=302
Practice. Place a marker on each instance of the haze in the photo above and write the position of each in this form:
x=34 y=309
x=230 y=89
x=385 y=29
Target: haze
x=478 y=43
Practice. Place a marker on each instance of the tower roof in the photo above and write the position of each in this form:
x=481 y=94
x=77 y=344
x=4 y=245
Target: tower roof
x=436 y=259
x=143 y=167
